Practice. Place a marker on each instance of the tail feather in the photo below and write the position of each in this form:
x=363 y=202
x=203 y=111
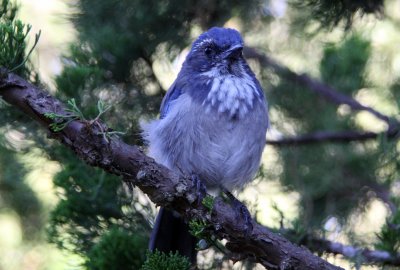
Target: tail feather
x=171 y=233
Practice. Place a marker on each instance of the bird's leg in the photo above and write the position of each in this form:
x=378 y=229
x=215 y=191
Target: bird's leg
x=200 y=187
x=241 y=210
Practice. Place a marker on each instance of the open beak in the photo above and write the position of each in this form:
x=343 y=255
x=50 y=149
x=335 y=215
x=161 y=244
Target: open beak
x=234 y=52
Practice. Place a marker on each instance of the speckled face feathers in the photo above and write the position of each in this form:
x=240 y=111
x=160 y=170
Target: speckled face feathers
x=228 y=85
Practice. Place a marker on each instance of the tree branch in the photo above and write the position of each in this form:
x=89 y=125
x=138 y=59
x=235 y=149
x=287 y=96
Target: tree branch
x=164 y=187
x=363 y=255
x=337 y=137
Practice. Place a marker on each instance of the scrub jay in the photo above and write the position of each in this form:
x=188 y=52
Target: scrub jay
x=213 y=122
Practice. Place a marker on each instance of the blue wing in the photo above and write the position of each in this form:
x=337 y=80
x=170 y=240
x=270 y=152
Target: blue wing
x=172 y=94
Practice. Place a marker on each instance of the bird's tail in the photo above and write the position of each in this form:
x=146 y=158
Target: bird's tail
x=171 y=233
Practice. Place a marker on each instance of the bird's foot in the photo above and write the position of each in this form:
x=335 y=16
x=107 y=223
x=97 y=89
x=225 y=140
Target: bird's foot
x=200 y=188
x=241 y=211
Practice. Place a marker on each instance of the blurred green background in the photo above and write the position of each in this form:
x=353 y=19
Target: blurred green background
x=57 y=213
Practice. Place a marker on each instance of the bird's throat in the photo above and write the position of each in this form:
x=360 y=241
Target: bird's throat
x=231 y=94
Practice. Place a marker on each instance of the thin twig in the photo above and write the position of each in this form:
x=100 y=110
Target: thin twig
x=363 y=255
x=332 y=136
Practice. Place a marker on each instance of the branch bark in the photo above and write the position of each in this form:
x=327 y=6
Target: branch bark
x=164 y=187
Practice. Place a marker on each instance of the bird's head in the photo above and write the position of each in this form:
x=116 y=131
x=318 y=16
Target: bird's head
x=217 y=52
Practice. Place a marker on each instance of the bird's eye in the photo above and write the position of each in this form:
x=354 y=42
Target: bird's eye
x=208 y=51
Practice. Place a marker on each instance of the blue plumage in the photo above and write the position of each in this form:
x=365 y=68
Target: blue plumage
x=172 y=94
x=214 y=117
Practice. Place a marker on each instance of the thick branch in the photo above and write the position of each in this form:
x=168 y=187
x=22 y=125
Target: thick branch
x=163 y=186
x=314 y=85
x=336 y=137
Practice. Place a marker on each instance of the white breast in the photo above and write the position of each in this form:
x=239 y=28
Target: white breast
x=231 y=94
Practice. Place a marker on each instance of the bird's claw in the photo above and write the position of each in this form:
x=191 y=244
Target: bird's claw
x=200 y=188
x=241 y=211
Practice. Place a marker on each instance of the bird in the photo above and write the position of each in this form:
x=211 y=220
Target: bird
x=212 y=124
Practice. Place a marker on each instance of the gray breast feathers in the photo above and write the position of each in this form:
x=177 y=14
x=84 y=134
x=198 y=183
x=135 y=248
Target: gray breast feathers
x=205 y=142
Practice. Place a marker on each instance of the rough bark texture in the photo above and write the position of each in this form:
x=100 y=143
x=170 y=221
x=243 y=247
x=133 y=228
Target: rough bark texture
x=164 y=187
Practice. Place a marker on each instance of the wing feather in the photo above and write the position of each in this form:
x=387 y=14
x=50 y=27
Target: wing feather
x=172 y=94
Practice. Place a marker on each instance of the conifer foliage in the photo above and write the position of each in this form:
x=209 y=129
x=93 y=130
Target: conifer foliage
x=109 y=73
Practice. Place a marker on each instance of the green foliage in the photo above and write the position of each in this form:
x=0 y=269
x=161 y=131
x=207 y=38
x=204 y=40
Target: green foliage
x=16 y=195
x=75 y=79
x=118 y=45
x=112 y=60
x=142 y=27
x=118 y=249
x=97 y=67
x=161 y=261
x=343 y=66
x=197 y=227
x=330 y=13
x=208 y=202
x=8 y=11
x=74 y=113
x=389 y=236
x=308 y=170
x=61 y=121
x=395 y=92
x=13 y=36
x=389 y=170
x=91 y=204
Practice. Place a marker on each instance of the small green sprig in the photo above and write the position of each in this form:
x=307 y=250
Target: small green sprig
x=208 y=202
x=389 y=236
x=74 y=110
x=25 y=29
x=74 y=113
x=197 y=227
x=160 y=261
x=61 y=121
x=101 y=108
x=13 y=40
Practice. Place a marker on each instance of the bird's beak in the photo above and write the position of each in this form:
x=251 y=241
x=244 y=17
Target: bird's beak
x=234 y=52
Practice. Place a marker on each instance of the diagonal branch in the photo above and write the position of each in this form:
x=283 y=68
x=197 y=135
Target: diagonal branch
x=164 y=187
x=334 y=137
x=314 y=85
